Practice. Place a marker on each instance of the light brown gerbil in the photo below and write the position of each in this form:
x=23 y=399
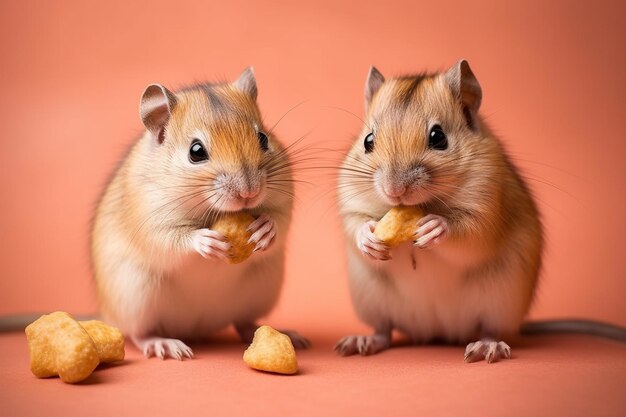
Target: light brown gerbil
x=159 y=267
x=473 y=266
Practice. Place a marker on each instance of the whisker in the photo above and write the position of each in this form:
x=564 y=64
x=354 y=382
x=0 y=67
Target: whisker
x=288 y=193
x=349 y=112
x=184 y=197
x=271 y=130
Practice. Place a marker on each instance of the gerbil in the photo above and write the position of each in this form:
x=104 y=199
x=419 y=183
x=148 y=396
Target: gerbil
x=159 y=268
x=471 y=272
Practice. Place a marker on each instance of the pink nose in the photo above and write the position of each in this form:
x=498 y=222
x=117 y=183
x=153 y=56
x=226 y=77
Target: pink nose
x=250 y=193
x=394 y=190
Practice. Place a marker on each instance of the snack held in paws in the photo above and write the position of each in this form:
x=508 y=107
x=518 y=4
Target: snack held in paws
x=60 y=345
x=398 y=225
x=271 y=351
x=234 y=226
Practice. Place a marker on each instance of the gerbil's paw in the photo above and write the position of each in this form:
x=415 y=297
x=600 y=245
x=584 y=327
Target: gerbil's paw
x=163 y=348
x=298 y=341
x=363 y=345
x=210 y=244
x=490 y=350
x=431 y=229
x=370 y=245
x=263 y=232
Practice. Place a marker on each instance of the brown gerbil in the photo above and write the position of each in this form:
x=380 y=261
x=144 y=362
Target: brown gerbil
x=471 y=272
x=159 y=267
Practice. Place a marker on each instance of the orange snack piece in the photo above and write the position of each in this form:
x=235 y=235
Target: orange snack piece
x=60 y=346
x=271 y=351
x=233 y=226
x=398 y=225
x=109 y=340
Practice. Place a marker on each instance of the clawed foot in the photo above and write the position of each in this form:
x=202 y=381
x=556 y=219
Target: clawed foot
x=263 y=232
x=298 y=341
x=210 y=244
x=490 y=350
x=370 y=245
x=363 y=345
x=431 y=230
x=163 y=348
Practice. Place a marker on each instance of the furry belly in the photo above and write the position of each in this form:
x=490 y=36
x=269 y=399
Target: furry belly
x=429 y=298
x=202 y=296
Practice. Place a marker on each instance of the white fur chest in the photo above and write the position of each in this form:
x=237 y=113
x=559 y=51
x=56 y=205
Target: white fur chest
x=423 y=293
x=198 y=296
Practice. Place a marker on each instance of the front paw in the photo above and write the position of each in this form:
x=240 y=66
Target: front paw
x=431 y=230
x=210 y=244
x=370 y=245
x=263 y=232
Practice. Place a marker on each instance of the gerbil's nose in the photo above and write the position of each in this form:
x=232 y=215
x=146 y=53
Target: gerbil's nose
x=250 y=192
x=394 y=190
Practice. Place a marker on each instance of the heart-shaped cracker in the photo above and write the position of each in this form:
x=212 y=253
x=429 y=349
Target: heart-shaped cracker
x=271 y=351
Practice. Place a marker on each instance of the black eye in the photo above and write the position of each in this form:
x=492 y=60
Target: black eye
x=368 y=143
x=263 y=141
x=437 y=139
x=197 y=152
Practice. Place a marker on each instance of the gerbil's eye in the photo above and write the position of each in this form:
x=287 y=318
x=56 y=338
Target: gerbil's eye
x=263 y=141
x=197 y=152
x=368 y=143
x=437 y=139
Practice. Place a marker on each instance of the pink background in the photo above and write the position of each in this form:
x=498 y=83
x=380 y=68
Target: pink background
x=72 y=73
x=554 y=89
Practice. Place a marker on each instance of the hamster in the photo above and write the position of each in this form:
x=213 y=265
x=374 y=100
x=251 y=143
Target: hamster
x=470 y=274
x=160 y=270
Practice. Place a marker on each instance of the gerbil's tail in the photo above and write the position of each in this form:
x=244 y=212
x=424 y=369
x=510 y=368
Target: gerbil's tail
x=18 y=322
x=588 y=327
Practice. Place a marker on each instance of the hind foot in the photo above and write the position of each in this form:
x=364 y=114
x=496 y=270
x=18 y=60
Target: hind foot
x=490 y=350
x=363 y=345
x=163 y=348
x=298 y=341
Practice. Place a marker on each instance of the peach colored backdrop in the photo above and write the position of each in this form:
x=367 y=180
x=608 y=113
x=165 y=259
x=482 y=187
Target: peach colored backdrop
x=72 y=73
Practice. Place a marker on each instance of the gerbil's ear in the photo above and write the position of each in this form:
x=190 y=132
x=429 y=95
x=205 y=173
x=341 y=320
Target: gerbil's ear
x=156 y=107
x=465 y=87
x=247 y=82
x=374 y=81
